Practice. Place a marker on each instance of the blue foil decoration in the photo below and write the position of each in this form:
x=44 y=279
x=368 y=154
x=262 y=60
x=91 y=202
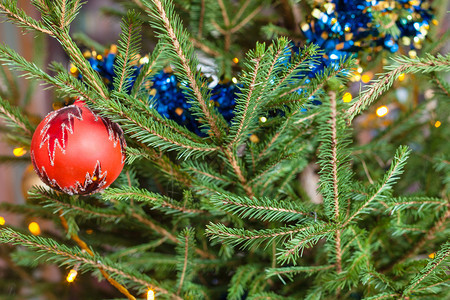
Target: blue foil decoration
x=346 y=27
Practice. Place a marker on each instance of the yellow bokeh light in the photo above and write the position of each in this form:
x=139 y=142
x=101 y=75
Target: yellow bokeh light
x=382 y=111
x=179 y=111
x=150 y=295
x=72 y=275
x=144 y=60
x=401 y=77
x=263 y=119
x=99 y=57
x=347 y=97
x=366 y=78
x=19 y=151
x=432 y=255
x=254 y=138
x=234 y=79
x=73 y=69
x=2 y=221
x=235 y=60
x=34 y=228
x=437 y=124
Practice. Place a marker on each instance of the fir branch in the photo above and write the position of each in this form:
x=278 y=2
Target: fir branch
x=154 y=134
x=290 y=272
x=154 y=199
x=264 y=209
x=441 y=259
x=232 y=159
x=384 y=296
x=168 y=22
x=62 y=202
x=429 y=235
x=224 y=12
x=155 y=61
x=128 y=50
x=240 y=281
x=304 y=239
x=202 y=45
x=252 y=238
x=370 y=276
x=388 y=181
x=21 y=18
x=162 y=231
x=86 y=248
x=419 y=203
x=264 y=64
x=204 y=172
x=14 y=118
x=334 y=161
x=401 y=64
x=185 y=258
x=64 y=255
x=161 y=161
x=246 y=20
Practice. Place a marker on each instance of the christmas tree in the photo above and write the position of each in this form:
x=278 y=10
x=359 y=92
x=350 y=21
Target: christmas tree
x=231 y=150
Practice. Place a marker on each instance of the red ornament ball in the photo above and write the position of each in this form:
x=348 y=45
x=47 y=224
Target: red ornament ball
x=76 y=151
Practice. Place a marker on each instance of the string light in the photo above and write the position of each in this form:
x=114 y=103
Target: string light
x=2 y=221
x=382 y=111
x=263 y=119
x=150 y=295
x=401 y=77
x=234 y=79
x=19 y=151
x=34 y=228
x=347 y=97
x=432 y=255
x=235 y=60
x=437 y=124
x=72 y=275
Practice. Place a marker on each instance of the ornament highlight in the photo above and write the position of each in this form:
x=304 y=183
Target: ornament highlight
x=75 y=151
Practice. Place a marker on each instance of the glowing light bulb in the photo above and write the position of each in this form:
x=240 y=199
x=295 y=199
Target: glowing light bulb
x=432 y=255
x=347 y=97
x=234 y=79
x=263 y=119
x=235 y=60
x=437 y=124
x=72 y=275
x=34 y=228
x=150 y=295
x=19 y=151
x=401 y=77
x=99 y=57
x=2 y=221
x=382 y=111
